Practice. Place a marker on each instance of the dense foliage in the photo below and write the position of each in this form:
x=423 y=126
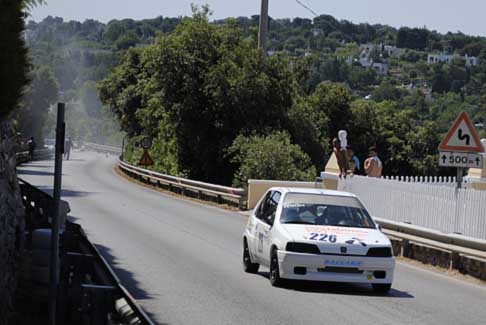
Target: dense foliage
x=206 y=85
x=196 y=86
x=13 y=56
x=269 y=157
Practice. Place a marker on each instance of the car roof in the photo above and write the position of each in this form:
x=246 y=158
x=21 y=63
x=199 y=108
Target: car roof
x=314 y=191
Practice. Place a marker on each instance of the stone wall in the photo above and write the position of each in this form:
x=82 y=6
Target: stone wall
x=12 y=222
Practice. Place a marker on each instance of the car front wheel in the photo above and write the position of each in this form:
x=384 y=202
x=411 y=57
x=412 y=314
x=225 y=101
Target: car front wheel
x=248 y=266
x=275 y=279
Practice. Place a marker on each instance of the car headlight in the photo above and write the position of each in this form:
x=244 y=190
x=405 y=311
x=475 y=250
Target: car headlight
x=302 y=248
x=380 y=252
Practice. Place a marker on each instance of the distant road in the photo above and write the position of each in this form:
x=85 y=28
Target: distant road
x=182 y=261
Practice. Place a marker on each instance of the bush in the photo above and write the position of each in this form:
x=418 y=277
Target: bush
x=273 y=157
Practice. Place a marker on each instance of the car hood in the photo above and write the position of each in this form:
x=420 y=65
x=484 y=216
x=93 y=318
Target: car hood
x=356 y=240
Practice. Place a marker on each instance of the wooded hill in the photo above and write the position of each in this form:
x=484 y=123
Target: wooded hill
x=224 y=101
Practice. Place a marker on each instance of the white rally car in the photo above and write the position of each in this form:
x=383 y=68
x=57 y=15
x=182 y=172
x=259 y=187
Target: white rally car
x=317 y=235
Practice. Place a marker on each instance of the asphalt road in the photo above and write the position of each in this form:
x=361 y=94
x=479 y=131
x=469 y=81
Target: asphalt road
x=182 y=262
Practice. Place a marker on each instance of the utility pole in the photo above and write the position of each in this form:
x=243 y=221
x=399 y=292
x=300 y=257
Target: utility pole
x=262 y=34
x=54 y=258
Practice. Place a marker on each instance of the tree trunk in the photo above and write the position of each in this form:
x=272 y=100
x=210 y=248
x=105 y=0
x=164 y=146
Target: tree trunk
x=12 y=222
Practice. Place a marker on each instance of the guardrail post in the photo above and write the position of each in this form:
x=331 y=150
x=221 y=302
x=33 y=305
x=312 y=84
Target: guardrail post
x=97 y=303
x=455 y=261
x=241 y=204
x=219 y=199
x=405 y=248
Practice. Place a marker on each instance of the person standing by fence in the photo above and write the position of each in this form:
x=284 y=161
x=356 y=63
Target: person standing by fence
x=373 y=166
x=340 y=156
x=31 y=144
x=67 y=148
x=354 y=163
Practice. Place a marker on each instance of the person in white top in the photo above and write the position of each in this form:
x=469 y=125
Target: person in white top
x=373 y=166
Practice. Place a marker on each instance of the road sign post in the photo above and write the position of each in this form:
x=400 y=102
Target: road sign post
x=461 y=147
x=146 y=160
x=54 y=258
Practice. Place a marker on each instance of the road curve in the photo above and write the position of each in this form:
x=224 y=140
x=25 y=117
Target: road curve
x=182 y=262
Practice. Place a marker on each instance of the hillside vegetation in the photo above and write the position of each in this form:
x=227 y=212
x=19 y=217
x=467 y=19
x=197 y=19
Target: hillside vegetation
x=210 y=99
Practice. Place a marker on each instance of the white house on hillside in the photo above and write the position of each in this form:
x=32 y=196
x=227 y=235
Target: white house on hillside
x=447 y=58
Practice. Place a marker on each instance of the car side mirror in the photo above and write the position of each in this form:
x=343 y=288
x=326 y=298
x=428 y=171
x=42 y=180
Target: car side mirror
x=379 y=228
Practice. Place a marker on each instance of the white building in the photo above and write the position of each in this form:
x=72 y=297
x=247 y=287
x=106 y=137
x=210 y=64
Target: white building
x=471 y=61
x=439 y=58
x=380 y=68
x=391 y=50
x=316 y=32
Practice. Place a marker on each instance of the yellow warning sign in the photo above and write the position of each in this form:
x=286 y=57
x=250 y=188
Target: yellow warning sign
x=146 y=160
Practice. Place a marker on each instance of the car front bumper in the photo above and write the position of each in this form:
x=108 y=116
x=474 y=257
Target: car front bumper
x=336 y=268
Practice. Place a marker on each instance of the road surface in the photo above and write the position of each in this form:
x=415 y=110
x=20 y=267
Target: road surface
x=182 y=261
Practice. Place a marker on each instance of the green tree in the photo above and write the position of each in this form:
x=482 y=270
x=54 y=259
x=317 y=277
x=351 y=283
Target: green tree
x=209 y=84
x=273 y=157
x=14 y=64
x=39 y=96
x=330 y=106
x=386 y=91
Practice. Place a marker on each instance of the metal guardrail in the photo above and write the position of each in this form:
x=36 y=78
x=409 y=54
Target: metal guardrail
x=184 y=186
x=89 y=292
x=103 y=148
x=23 y=157
x=451 y=242
x=199 y=189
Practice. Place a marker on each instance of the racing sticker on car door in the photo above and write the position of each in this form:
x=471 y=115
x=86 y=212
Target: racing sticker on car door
x=260 y=242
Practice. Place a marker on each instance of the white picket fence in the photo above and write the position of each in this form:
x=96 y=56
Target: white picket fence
x=443 y=208
x=430 y=180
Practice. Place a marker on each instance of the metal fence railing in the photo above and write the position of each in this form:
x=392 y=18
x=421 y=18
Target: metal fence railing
x=24 y=156
x=442 y=208
x=89 y=291
x=102 y=148
x=201 y=190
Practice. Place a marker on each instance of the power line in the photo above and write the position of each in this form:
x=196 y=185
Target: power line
x=307 y=7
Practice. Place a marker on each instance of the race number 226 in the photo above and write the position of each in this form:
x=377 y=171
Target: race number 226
x=323 y=237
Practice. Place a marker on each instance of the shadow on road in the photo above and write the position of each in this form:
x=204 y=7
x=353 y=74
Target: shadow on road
x=126 y=277
x=65 y=193
x=36 y=166
x=350 y=289
x=34 y=172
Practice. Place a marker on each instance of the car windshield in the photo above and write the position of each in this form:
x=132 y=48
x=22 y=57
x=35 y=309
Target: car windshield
x=325 y=210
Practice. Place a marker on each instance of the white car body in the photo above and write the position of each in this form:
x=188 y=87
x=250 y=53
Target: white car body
x=342 y=255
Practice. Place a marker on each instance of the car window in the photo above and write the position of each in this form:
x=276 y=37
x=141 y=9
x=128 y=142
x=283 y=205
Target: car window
x=272 y=207
x=261 y=208
x=268 y=208
x=325 y=210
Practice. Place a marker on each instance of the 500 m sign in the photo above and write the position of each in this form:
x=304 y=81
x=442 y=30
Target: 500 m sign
x=460 y=159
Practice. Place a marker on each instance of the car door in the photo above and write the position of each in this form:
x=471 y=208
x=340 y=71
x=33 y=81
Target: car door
x=265 y=219
x=257 y=225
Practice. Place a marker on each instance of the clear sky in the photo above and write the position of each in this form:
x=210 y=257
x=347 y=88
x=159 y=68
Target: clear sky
x=441 y=15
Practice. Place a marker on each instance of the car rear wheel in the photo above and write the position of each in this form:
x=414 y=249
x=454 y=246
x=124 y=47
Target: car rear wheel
x=248 y=266
x=275 y=279
x=381 y=288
